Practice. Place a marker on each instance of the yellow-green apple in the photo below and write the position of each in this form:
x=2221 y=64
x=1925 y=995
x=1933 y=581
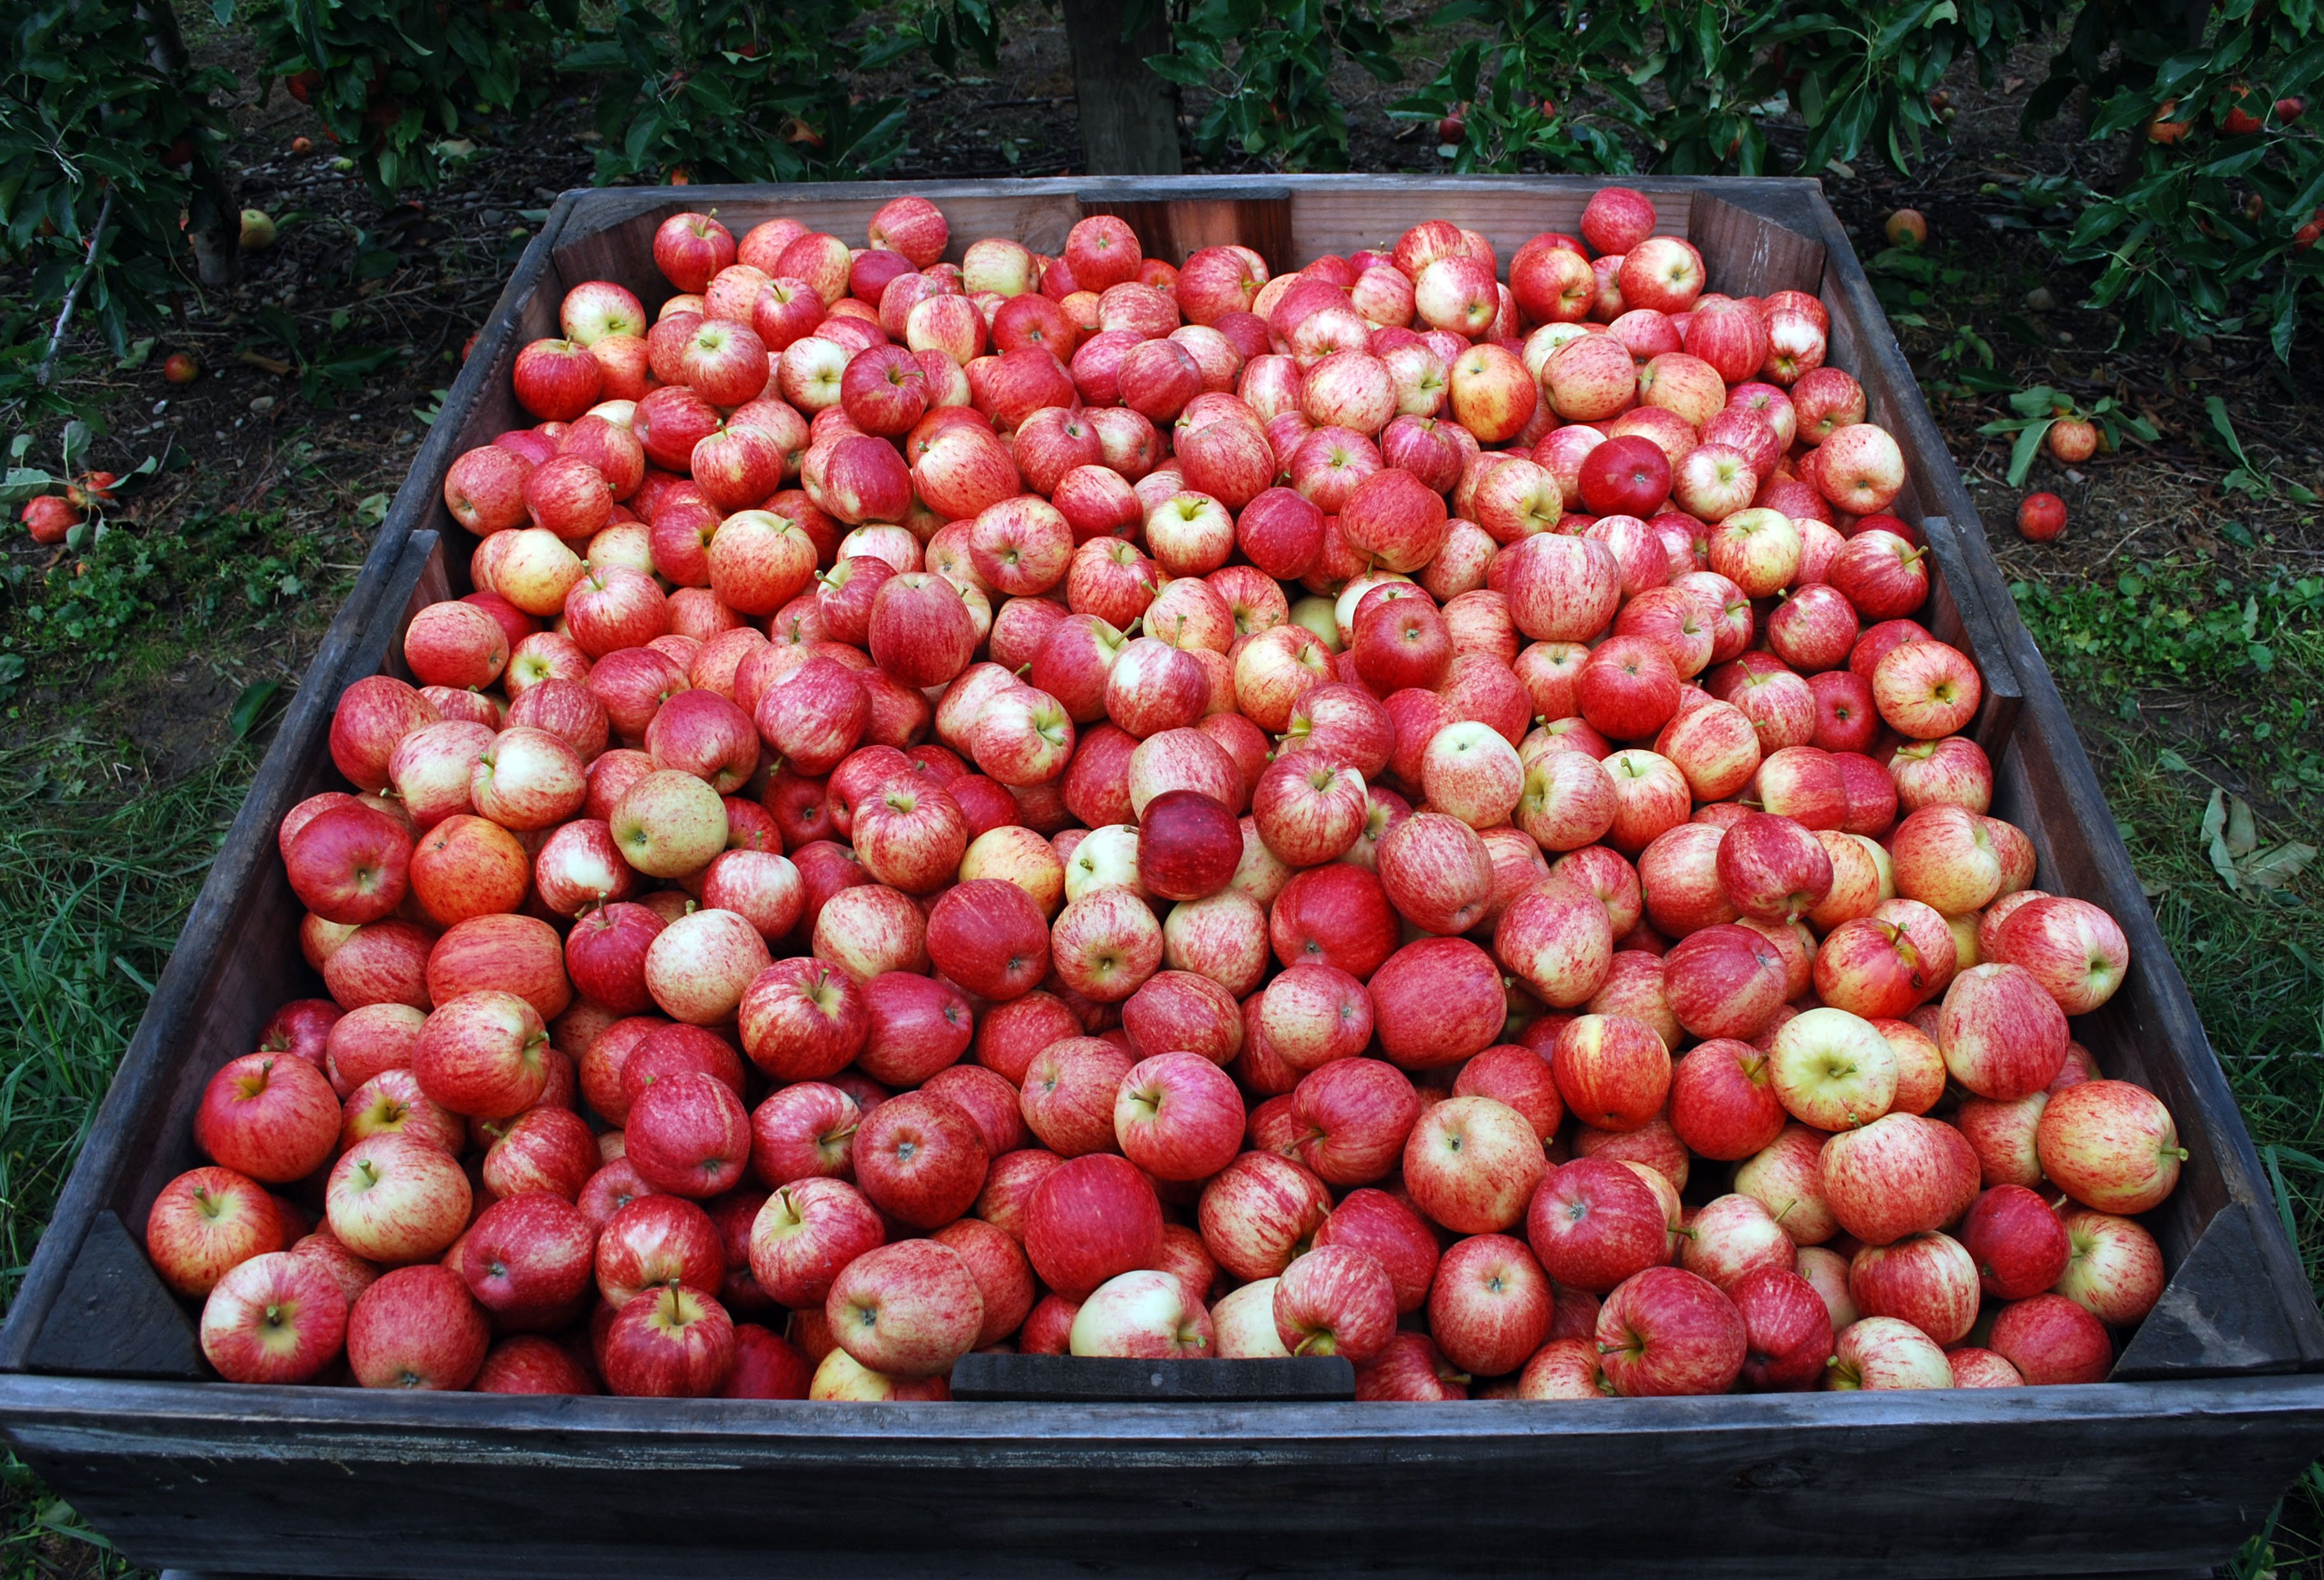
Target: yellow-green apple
x=1146 y=1314
x=1757 y=550
x=1832 y=1069
x=668 y=823
x=1887 y=1353
x=395 y=1199
x=2110 y=1145
x=2114 y=1270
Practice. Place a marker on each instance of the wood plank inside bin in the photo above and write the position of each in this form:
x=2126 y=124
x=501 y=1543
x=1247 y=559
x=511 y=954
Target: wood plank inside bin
x=1172 y=227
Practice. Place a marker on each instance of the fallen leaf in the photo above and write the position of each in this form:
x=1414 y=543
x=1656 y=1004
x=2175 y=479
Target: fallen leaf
x=2279 y=864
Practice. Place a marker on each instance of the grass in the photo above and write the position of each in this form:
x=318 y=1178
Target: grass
x=92 y=891
x=2221 y=678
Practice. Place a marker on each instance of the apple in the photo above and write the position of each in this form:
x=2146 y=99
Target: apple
x=1731 y=1236
x=1787 y=1329
x=529 y=1256
x=672 y=1343
x=920 y=1159
x=2050 y=1339
x=2110 y=1145
x=2002 y=1034
x=395 y=1199
x=1259 y=1212
x=277 y=1318
x=1928 y=1280
x=1886 y=1353
x=1613 y=1071
x=1665 y=1332
x=1832 y=1069
x=206 y=1221
x=2114 y=1269
x=417 y=1327
x=1093 y=1218
x=1146 y=1314
x=268 y=1116
x=1472 y=1164
x=1896 y=1176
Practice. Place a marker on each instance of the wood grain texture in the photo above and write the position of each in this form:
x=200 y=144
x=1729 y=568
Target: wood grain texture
x=1174 y=228
x=115 y=1317
x=327 y=1481
x=1078 y=1380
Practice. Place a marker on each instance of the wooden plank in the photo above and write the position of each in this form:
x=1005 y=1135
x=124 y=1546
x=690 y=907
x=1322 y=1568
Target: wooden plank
x=1755 y=255
x=1072 y=1378
x=1174 y=228
x=114 y=1318
x=2055 y=1481
x=1968 y=623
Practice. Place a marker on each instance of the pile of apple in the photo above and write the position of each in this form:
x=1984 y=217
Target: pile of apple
x=1070 y=804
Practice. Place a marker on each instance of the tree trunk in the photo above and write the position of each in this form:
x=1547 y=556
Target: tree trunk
x=1130 y=115
x=213 y=222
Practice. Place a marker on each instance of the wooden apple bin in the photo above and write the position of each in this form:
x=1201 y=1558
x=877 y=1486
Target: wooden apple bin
x=2214 y=1407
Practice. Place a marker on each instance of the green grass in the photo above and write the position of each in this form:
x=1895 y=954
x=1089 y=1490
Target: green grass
x=92 y=893
x=2221 y=678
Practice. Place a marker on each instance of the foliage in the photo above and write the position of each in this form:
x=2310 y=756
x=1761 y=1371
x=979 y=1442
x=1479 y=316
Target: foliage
x=2254 y=649
x=1269 y=64
x=746 y=90
x=85 y=116
x=2210 y=215
x=1697 y=81
x=2041 y=407
x=398 y=81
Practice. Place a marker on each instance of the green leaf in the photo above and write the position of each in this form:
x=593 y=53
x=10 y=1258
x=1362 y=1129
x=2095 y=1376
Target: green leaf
x=2028 y=445
x=251 y=707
